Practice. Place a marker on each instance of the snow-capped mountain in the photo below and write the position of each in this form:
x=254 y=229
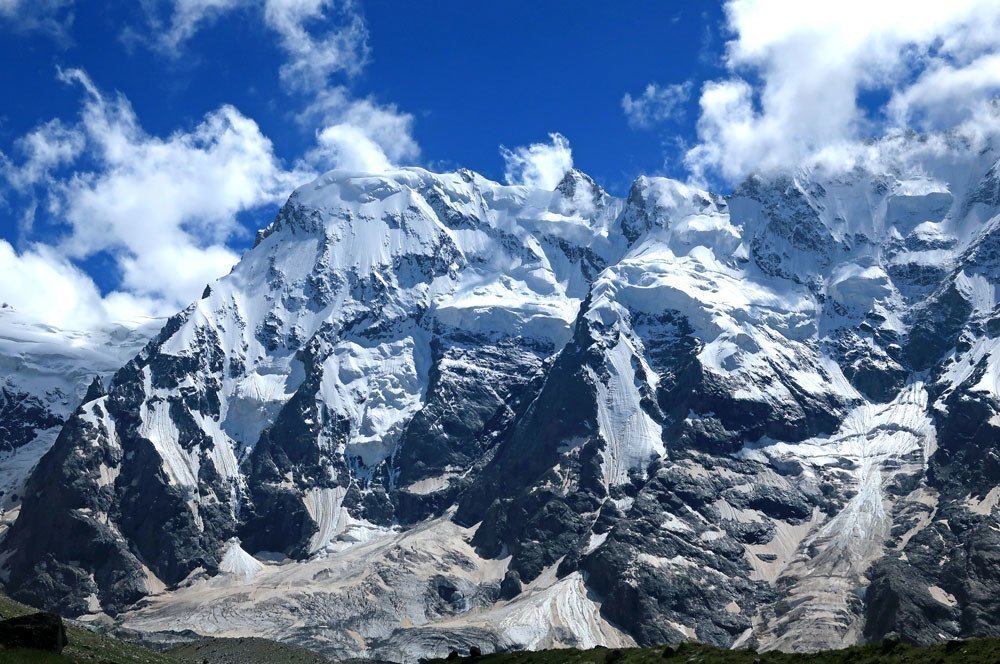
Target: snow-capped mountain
x=46 y=373
x=427 y=410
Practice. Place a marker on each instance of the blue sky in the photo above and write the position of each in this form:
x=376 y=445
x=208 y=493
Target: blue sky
x=473 y=75
x=481 y=74
x=142 y=143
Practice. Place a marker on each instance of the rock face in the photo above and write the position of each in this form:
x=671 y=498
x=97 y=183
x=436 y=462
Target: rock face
x=430 y=411
x=38 y=631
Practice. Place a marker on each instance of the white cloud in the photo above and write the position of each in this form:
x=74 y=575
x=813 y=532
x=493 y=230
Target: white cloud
x=47 y=16
x=164 y=208
x=187 y=17
x=540 y=165
x=45 y=287
x=656 y=104
x=341 y=47
x=358 y=134
x=348 y=148
x=944 y=93
x=44 y=148
x=797 y=70
x=321 y=37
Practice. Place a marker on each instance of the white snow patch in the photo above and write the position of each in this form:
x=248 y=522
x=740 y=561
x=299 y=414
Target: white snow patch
x=378 y=389
x=985 y=505
x=978 y=290
x=858 y=287
x=180 y=465
x=325 y=506
x=632 y=437
x=596 y=540
x=563 y=614
x=430 y=485
x=238 y=562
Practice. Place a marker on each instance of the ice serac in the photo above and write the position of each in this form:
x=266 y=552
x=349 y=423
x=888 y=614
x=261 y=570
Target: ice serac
x=429 y=410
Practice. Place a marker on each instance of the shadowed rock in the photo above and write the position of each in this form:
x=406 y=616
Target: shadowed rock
x=38 y=631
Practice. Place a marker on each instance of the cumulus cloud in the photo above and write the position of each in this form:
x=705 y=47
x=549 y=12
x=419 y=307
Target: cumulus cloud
x=348 y=148
x=322 y=38
x=45 y=287
x=656 y=104
x=797 y=71
x=163 y=208
x=540 y=165
x=358 y=134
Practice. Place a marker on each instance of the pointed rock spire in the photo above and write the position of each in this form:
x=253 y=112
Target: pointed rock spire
x=96 y=390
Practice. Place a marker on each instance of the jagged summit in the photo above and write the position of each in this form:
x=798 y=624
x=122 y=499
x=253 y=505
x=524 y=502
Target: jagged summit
x=763 y=418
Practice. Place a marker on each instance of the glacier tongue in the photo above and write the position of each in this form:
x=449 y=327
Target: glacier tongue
x=353 y=614
x=877 y=443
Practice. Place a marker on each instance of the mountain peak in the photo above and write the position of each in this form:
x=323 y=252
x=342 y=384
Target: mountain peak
x=576 y=179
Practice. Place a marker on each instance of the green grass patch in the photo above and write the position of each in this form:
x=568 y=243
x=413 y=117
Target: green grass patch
x=976 y=651
x=84 y=646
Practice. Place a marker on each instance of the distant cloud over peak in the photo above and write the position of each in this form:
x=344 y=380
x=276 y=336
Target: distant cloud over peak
x=797 y=70
x=657 y=104
x=541 y=165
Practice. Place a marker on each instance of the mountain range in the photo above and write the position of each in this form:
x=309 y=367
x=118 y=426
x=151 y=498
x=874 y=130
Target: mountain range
x=428 y=411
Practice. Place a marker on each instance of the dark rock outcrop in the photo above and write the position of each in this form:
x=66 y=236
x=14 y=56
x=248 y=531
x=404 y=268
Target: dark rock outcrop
x=38 y=631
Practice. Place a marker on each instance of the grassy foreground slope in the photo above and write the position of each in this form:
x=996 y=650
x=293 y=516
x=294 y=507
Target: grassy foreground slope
x=245 y=651
x=981 y=651
x=84 y=646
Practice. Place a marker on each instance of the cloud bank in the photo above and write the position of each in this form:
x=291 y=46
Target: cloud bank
x=797 y=71
x=163 y=209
